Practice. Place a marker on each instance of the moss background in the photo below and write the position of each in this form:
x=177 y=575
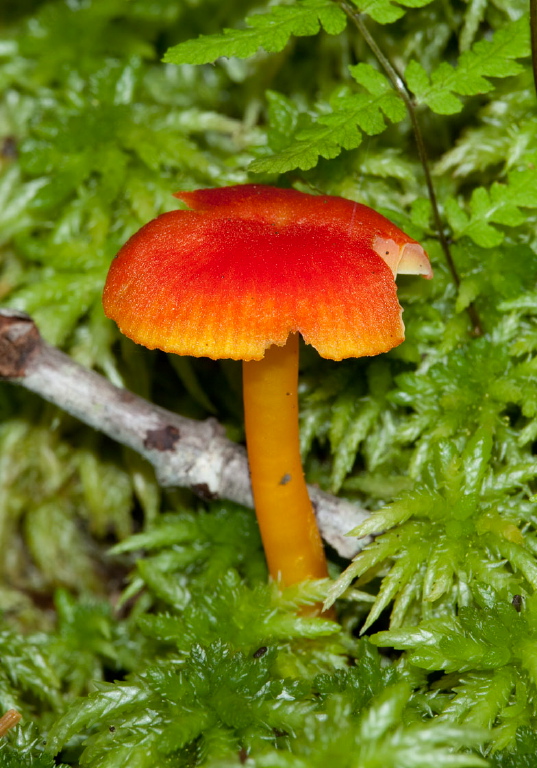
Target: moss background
x=137 y=628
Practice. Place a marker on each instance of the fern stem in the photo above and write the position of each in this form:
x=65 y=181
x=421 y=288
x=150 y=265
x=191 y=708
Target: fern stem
x=533 y=29
x=400 y=86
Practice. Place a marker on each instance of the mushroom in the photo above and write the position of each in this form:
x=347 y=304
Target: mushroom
x=239 y=276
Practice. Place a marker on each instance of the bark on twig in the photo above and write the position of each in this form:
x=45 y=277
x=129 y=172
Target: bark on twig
x=184 y=452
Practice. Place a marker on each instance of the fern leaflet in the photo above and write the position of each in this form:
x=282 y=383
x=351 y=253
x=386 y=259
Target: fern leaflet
x=487 y=58
x=352 y=115
x=385 y=11
x=270 y=30
x=498 y=205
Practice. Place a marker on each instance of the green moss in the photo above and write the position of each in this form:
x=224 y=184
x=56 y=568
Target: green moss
x=137 y=627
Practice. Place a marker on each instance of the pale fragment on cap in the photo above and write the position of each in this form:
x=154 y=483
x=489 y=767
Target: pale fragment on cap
x=406 y=259
x=414 y=261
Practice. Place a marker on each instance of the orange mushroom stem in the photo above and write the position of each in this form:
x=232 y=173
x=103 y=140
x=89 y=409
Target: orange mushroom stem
x=291 y=539
x=239 y=276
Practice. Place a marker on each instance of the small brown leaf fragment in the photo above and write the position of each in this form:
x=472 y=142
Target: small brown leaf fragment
x=517 y=602
x=9 y=720
x=8 y=150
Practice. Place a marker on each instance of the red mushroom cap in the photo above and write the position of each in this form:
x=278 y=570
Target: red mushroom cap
x=248 y=265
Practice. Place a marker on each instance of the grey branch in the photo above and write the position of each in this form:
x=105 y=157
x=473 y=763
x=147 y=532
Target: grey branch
x=184 y=452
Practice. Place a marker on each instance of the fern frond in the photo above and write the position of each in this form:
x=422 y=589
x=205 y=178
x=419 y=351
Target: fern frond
x=501 y=204
x=351 y=115
x=486 y=59
x=270 y=31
